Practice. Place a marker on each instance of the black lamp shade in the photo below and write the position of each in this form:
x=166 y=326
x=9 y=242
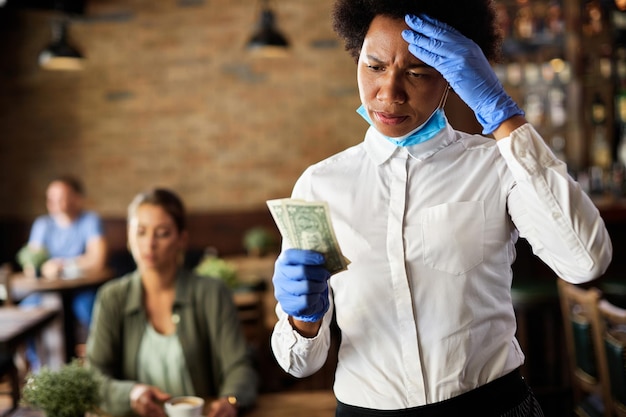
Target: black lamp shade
x=267 y=34
x=60 y=55
x=267 y=38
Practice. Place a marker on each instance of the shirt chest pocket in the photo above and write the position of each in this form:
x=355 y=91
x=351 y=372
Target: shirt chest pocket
x=453 y=236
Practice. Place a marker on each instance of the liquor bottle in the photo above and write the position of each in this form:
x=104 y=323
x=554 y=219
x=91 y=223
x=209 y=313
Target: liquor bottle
x=593 y=18
x=556 y=105
x=620 y=116
x=601 y=152
x=524 y=23
x=555 y=21
x=598 y=110
x=600 y=149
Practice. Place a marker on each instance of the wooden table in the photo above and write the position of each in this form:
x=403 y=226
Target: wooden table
x=23 y=285
x=17 y=324
x=295 y=404
x=283 y=404
x=252 y=270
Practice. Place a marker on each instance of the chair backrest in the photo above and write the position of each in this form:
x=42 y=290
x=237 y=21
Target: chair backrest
x=5 y=284
x=614 y=341
x=583 y=327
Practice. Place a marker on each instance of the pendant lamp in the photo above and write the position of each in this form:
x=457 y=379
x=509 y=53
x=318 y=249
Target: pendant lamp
x=60 y=55
x=267 y=40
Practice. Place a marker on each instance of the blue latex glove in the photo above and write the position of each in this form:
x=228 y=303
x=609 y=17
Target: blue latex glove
x=300 y=284
x=462 y=63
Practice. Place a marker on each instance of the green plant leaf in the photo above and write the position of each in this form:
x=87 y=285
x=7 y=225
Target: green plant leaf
x=71 y=391
x=28 y=256
x=212 y=266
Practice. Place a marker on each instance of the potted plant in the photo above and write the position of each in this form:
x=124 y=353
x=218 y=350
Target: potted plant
x=71 y=391
x=31 y=259
x=258 y=241
x=213 y=266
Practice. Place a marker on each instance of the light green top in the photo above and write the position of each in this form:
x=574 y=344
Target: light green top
x=161 y=363
x=208 y=330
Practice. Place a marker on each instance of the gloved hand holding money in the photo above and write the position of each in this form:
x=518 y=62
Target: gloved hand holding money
x=301 y=273
x=301 y=284
x=307 y=225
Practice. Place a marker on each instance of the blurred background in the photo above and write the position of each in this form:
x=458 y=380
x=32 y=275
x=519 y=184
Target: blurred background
x=169 y=93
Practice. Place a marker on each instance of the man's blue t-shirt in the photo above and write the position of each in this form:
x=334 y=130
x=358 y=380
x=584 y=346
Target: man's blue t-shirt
x=69 y=241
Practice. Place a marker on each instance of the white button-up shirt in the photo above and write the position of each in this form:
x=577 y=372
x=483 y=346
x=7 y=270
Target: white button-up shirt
x=425 y=307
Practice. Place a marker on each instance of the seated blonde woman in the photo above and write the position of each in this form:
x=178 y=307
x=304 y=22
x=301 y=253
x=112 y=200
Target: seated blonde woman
x=160 y=331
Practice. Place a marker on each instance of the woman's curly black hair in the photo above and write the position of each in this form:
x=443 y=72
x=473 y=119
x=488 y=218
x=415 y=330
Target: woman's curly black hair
x=475 y=19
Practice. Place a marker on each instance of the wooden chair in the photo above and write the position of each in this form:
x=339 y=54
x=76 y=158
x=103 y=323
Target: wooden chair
x=588 y=369
x=613 y=338
x=5 y=284
x=251 y=315
x=8 y=370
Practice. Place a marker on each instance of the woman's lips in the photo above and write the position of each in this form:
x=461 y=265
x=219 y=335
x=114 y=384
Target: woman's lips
x=390 y=119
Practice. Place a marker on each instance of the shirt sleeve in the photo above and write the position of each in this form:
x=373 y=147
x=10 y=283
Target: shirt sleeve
x=552 y=212
x=92 y=226
x=298 y=355
x=38 y=232
x=103 y=352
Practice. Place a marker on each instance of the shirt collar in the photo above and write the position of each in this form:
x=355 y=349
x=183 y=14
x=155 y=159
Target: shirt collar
x=134 y=301
x=380 y=149
x=135 y=292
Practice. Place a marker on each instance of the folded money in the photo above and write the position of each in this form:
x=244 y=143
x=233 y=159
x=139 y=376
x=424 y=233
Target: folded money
x=307 y=225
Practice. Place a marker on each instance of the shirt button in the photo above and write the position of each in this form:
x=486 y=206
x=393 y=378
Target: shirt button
x=522 y=153
x=556 y=215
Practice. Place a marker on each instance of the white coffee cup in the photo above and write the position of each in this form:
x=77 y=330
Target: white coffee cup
x=187 y=406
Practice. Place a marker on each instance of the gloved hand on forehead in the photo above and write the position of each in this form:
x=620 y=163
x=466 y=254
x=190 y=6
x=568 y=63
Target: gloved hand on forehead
x=301 y=284
x=462 y=63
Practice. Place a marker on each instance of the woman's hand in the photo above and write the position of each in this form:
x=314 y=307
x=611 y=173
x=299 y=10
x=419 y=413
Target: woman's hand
x=301 y=284
x=222 y=408
x=462 y=63
x=147 y=401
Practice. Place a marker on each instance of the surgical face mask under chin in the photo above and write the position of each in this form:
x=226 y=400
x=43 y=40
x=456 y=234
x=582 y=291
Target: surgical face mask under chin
x=422 y=133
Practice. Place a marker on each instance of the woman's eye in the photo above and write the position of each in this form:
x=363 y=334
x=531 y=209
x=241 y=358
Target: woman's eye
x=163 y=233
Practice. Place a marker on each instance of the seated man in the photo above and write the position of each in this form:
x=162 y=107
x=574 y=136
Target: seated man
x=74 y=239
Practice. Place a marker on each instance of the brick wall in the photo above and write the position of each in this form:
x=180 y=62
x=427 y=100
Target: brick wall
x=171 y=97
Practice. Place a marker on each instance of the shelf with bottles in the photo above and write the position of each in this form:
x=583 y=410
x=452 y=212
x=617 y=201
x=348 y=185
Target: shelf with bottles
x=530 y=26
x=564 y=61
x=541 y=89
x=603 y=54
x=598 y=91
x=535 y=68
x=618 y=24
